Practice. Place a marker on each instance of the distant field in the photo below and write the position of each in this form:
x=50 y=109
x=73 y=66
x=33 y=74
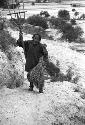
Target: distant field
x=64 y=1
x=27 y=1
x=52 y=8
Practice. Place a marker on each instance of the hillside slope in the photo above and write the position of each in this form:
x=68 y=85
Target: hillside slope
x=62 y=103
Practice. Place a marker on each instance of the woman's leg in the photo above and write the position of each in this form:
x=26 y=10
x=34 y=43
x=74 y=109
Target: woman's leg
x=41 y=85
x=31 y=83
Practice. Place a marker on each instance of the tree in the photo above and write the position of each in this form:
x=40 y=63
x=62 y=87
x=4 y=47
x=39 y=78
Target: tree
x=76 y=14
x=64 y=15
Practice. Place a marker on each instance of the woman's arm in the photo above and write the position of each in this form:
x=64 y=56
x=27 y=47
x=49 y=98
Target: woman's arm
x=20 y=40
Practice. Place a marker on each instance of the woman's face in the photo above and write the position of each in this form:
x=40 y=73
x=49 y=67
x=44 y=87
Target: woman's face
x=36 y=39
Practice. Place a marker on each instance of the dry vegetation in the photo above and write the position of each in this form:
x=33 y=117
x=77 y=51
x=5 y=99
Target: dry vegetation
x=11 y=62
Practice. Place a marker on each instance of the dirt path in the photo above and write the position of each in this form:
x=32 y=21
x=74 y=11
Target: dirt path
x=21 y=107
x=57 y=104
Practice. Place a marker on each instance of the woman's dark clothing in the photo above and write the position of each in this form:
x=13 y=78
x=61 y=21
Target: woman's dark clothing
x=32 y=53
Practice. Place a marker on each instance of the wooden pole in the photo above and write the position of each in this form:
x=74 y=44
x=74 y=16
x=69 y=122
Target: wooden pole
x=23 y=5
x=13 y=8
x=19 y=12
x=24 y=15
x=9 y=9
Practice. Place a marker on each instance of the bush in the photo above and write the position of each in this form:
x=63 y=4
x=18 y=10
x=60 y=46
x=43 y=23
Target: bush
x=64 y=15
x=70 y=33
x=1 y=25
x=52 y=69
x=30 y=29
x=6 y=40
x=70 y=76
x=76 y=14
x=37 y=20
x=44 y=13
x=80 y=40
x=78 y=32
x=17 y=22
x=33 y=3
x=53 y=20
x=73 y=10
x=73 y=21
x=57 y=22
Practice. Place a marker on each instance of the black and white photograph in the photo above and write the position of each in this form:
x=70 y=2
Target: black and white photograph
x=42 y=62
